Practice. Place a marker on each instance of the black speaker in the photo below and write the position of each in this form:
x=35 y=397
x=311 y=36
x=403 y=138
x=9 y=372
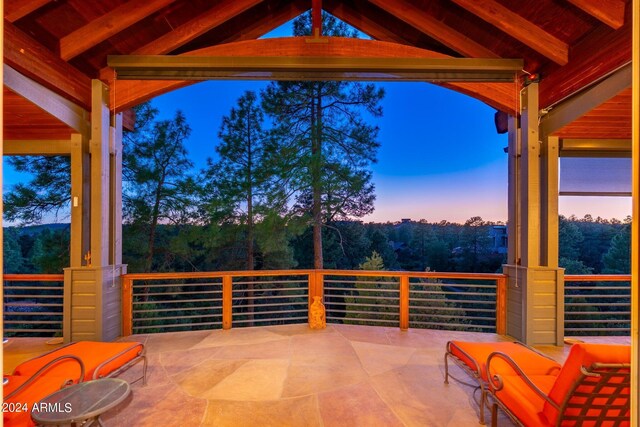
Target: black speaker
x=501 y=120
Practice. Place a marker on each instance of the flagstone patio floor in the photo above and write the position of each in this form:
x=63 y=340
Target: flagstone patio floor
x=292 y=376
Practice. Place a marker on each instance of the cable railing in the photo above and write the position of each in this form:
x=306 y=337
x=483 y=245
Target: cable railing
x=33 y=305
x=164 y=302
x=597 y=304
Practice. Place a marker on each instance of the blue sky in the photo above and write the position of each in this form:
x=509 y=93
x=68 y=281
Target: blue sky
x=440 y=156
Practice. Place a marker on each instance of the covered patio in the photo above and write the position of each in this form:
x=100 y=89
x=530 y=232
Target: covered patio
x=562 y=75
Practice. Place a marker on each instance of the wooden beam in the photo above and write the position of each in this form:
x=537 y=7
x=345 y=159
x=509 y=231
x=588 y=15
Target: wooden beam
x=434 y=28
x=590 y=147
x=519 y=28
x=16 y=9
x=41 y=147
x=64 y=110
x=610 y=12
x=99 y=30
x=206 y=21
x=585 y=101
x=131 y=93
x=38 y=63
x=316 y=18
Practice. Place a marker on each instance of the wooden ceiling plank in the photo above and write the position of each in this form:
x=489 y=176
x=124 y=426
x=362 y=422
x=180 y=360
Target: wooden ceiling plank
x=519 y=28
x=16 y=9
x=434 y=28
x=583 y=102
x=35 y=61
x=208 y=20
x=610 y=12
x=100 y=29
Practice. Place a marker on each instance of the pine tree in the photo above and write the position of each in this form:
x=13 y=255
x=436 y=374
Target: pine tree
x=240 y=175
x=324 y=145
x=156 y=184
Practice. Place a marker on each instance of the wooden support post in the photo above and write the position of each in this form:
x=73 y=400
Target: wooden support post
x=404 y=302
x=530 y=179
x=227 y=302
x=513 y=222
x=115 y=249
x=316 y=18
x=549 y=202
x=501 y=306
x=80 y=196
x=635 y=228
x=100 y=182
x=127 y=306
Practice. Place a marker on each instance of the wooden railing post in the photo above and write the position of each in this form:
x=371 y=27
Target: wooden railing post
x=127 y=306
x=227 y=302
x=404 y=302
x=501 y=305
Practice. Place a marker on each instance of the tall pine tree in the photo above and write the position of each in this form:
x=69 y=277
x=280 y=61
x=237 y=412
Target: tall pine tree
x=325 y=145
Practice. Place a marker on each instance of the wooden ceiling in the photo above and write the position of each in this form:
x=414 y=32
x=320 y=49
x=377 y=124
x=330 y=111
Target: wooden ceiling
x=63 y=44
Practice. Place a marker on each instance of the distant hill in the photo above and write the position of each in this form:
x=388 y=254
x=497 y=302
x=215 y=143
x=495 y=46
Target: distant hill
x=37 y=229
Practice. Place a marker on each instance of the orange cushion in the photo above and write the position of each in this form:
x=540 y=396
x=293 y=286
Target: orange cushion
x=582 y=354
x=530 y=361
x=522 y=401
x=92 y=355
x=18 y=408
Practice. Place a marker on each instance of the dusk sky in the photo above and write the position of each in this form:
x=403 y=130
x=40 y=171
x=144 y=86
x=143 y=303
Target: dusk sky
x=440 y=156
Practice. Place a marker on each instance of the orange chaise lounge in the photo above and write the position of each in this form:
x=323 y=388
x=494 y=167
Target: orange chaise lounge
x=76 y=362
x=590 y=389
x=472 y=358
x=21 y=393
x=100 y=359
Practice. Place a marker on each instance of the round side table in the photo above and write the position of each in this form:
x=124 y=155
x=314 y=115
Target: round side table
x=81 y=404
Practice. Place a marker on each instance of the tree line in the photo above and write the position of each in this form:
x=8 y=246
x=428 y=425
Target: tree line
x=587 y=246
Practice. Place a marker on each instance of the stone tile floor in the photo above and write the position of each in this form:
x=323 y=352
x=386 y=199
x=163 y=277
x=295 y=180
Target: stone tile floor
x=293 y=376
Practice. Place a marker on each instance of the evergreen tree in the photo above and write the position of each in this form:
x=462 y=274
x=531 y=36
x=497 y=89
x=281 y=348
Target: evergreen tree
x=12 y=252
x=617 y=260
x=241 y=174
x=325 y=147
x=156 y=184
x=48 y=192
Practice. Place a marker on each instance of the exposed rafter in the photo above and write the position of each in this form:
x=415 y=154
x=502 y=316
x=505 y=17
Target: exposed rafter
x=500 y=96
x=519 y=28
x=40 y=64
x=434 y=28
x=362 y=22
x=100 y=29
x=208 y=20
x=64 y=110
x=14 y=10
x=611 y=12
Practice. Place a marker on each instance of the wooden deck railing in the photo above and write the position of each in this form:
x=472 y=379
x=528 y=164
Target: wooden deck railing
x=158 y=302
x=33 y=304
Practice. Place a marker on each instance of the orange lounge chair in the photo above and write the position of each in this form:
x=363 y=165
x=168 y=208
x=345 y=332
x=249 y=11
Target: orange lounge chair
x=472 y=358
x=591 y=388
x=21 y=393
x=100 y=359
